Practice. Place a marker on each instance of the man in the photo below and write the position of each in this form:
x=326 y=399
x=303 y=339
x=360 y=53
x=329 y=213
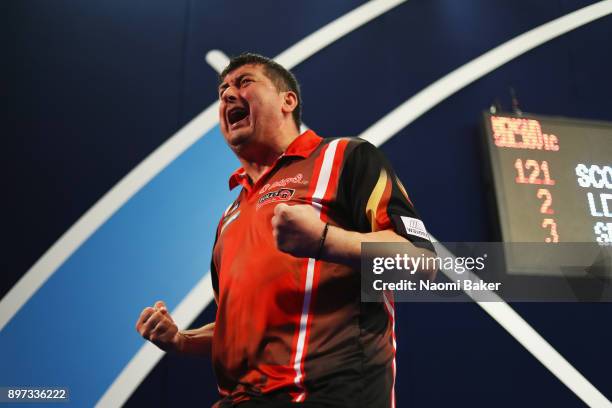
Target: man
x=290 y=328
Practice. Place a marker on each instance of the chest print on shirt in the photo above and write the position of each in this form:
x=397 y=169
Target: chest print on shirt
x=297 y=179
x=283 y=194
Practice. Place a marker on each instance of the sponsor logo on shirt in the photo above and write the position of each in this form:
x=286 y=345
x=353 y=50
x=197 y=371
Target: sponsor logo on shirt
x=283 y=194
x=297 y=179
x=415 y=227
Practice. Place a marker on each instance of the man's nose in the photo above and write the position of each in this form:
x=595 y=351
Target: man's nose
x=229 y=95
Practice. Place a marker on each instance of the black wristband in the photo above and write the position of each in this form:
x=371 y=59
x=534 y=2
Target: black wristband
x=322 y=241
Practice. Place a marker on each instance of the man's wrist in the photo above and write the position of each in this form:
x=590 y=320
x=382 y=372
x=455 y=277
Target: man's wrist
x=342 y=246
x=322 y=239
x=179 y=343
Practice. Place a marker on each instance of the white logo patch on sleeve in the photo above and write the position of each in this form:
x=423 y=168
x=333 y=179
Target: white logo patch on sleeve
x=415 y=227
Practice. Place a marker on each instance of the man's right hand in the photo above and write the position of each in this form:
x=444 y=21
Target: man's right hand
x=156 y=325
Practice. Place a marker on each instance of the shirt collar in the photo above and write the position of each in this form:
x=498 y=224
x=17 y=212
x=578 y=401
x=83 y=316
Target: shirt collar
x=302 y=146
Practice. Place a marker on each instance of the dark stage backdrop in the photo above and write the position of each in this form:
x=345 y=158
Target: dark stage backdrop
x=91 y=89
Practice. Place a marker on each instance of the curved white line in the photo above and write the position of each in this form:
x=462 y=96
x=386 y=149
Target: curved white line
x=413 y=108
x=545 y=353
x=333 y=31
x=529 y=338
x=102 y=210
x=147 y=357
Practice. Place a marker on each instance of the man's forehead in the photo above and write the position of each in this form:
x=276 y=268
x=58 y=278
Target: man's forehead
x=244 y=69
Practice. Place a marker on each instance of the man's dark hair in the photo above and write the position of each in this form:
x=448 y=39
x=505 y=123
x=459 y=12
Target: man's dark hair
x=282 y=78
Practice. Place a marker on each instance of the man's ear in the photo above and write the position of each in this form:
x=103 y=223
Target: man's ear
x=290 y=101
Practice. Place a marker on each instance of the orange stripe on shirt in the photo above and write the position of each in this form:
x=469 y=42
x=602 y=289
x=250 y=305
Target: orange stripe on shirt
x=375 y=199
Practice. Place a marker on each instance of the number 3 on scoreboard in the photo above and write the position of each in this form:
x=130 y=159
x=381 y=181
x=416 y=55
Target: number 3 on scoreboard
x=554 y=236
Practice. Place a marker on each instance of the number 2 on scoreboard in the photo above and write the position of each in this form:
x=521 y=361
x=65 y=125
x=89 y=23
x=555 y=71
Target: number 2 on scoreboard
x=546 y=207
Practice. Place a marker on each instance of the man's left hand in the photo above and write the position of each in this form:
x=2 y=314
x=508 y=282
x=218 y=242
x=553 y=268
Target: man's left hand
x=297 y=230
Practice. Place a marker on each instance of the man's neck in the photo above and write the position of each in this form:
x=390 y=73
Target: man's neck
x=257 y=164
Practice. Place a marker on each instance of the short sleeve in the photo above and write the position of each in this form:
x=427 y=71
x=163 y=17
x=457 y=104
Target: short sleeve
x=375 y=198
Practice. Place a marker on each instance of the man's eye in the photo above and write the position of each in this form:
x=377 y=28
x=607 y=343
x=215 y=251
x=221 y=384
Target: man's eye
x=245 y=81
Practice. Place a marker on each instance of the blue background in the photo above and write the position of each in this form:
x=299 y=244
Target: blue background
x=91 y=89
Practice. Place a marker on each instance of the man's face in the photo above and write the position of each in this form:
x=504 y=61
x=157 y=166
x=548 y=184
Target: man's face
x=250 y=108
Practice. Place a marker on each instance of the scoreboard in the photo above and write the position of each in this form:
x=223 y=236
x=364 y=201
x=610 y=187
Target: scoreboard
x=551 y=178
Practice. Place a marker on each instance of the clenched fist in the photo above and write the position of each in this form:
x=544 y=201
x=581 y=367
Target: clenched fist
x=156 y=325
x=297 y=230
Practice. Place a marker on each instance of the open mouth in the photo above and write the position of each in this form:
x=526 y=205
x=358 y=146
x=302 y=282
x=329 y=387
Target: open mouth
x=235 y=115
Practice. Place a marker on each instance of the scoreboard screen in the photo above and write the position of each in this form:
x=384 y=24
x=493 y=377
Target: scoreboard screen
x=552 y=178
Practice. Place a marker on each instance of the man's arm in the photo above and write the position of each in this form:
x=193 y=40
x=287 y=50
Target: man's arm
x=344 y=247
x=298 y=230
x=197 y=341
x=156 y=325
x=372 y=201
